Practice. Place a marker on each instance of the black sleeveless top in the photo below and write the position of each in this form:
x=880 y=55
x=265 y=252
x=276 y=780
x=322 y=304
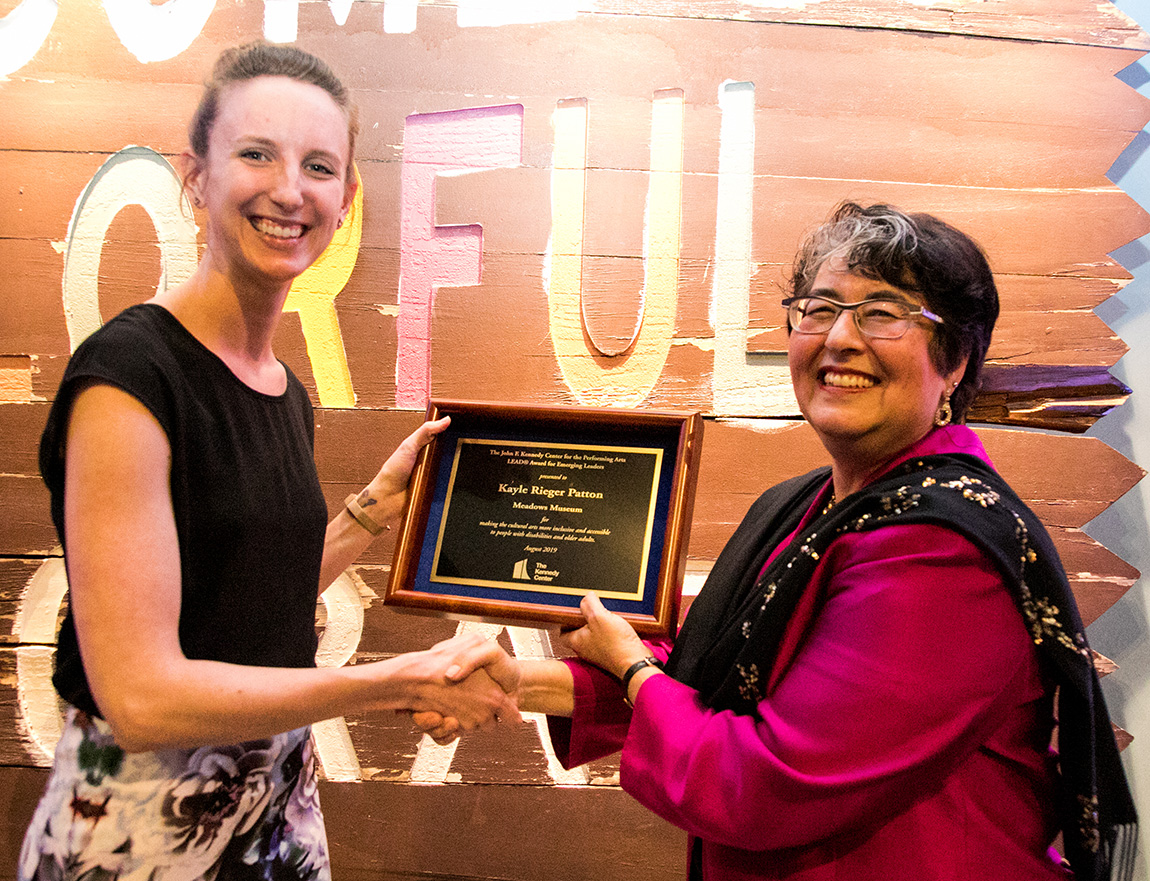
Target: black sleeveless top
x=250 y=516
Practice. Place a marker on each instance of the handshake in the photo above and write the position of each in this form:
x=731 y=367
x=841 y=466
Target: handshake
x=470 y=682
x=461 y=684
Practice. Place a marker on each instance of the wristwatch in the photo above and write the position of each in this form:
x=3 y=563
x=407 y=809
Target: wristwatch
x=648 y=661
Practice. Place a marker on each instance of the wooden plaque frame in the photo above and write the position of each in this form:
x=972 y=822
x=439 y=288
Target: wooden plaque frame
x=659 y=449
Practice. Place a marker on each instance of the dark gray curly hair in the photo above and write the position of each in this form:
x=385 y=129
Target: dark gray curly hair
x=919 y=253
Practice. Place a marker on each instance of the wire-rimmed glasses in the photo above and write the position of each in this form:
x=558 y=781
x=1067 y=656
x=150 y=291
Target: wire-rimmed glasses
x=878 y=319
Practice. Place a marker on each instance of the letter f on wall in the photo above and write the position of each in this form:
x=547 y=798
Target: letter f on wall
x=456 y=141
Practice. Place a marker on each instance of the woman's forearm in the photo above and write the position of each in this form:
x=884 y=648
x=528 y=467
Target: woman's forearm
x=546 y=687
x=375 y=508
x=184 y=703
x=190 y=703
x=343 y=543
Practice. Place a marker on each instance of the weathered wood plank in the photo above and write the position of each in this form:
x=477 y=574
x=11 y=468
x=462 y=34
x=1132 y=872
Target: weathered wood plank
x=20 y=789
x=14 y=577
x=1012 y=224
x=20 y=426
x=1069 y=21
x=1061 y=398
x=14 y=738
x=67 y=54
x=1076 y=477
x=645 y=36
x=25 y=519
x=33 y=271
x=1097 y=577
x=1090 y=223
x=396 y=832
x=1053 y=332
x=741 y=459
x=1077 y=474
x=388 y=832
x=982 y=151
x=1060 y=20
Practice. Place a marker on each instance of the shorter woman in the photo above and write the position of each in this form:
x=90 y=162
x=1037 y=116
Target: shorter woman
x=867 y=685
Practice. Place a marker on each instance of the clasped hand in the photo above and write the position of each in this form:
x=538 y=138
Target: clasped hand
x=472 y=684
x=606 y=640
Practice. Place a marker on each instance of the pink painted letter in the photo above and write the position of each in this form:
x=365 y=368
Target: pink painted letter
x=431 y=256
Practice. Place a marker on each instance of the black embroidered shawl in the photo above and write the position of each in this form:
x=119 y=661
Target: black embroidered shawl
x=730 y=640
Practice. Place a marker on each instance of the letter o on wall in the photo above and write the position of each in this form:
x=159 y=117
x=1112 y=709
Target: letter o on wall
x=23 y=31
x=132 y=176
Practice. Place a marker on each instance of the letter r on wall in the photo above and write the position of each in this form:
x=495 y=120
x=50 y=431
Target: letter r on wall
x=454 y=141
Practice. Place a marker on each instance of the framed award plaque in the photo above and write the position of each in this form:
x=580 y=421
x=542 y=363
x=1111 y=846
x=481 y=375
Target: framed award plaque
x=516 y=512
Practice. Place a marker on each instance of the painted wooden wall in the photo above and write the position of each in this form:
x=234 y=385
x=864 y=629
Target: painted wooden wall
x=563 y=202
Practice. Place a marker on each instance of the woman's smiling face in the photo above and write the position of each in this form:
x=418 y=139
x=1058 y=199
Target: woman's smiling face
x=274 y=180
x=867 y=398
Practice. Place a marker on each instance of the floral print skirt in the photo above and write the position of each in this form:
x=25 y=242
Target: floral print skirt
x=248 y=811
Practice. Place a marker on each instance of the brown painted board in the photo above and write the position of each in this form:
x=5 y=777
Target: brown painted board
x=15 y=573
x=41 y=189
x=1070 y=21
x=853 y=141
x=1063 y=103
x=1012 y=108
x=387 y=832
x=1066 y=20
x=498 y=832
x=1089 y=223
x=1060 y=398
x=20 y=789
x=740 y=459
x=1044 y=319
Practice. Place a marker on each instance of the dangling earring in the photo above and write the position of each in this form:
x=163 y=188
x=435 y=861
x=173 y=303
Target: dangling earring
x=944 y=414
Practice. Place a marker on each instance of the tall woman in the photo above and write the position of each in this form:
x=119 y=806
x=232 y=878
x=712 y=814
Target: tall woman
x=179 y=455
x=867 y=685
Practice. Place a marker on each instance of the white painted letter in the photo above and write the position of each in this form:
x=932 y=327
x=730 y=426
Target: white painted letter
x=23 y=31
x=157 y=33
x=133 y=176
x=739 y=388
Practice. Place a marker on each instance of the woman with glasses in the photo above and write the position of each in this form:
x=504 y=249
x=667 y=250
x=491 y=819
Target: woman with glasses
x=866 y=688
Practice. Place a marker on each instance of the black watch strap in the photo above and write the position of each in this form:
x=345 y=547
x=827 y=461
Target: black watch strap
x=648 y=661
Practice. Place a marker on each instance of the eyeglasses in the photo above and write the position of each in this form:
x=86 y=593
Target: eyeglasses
x=878 y=319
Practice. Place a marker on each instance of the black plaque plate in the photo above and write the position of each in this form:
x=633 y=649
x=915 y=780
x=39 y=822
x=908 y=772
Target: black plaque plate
x=516 y=512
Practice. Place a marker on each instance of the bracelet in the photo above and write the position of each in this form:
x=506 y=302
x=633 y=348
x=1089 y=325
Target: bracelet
x=356 y=510
x=630 y=674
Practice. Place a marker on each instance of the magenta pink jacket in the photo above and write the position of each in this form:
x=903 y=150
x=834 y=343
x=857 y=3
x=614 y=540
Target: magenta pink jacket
x=905 y=733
